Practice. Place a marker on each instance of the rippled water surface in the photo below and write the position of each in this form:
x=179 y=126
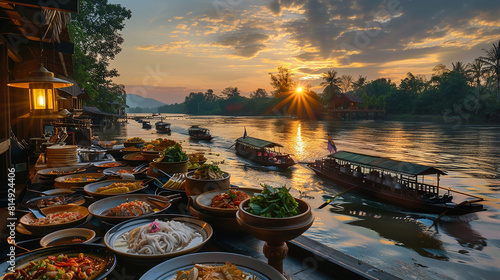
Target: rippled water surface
x=405 y=244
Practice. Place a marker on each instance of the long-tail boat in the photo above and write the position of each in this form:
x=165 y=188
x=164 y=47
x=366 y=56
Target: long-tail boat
x=162 y=127
x=199 y=133
x=394 y=182
x=263 y=152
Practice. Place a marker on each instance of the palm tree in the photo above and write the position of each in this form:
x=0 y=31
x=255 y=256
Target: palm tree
x=331 y=84
x=476 y=71
x=345 y=83
x=359 y=84
x=459 y=67
x=492 y=61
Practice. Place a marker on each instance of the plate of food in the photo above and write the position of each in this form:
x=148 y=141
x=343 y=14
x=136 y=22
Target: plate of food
x=236 y=265
x=118 y=171
x=107 y=144
x=134 y=158
x=113 y=187
x=224 y=201
x=58 y=191
x=134 y=141
x=60 y=171
x=121 y=208
x=90 y=261
x=57 y=199
x=57 y=217
x=77 y=180
x=137 y=239
x=109 y=164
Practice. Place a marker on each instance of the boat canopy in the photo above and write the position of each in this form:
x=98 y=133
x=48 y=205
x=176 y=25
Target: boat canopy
x=387 y=164
x=257 y=143
x=197 y=128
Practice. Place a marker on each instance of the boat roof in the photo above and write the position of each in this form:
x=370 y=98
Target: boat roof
x=195 y=127
x=387 y=164
x=257 y=143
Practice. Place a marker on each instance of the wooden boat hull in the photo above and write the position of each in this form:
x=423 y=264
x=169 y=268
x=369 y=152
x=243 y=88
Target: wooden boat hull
x=403 y=201
x=251 y=155
x=201 y=137
x=163 y=128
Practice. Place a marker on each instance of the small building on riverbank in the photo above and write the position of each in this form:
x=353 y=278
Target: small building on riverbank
x=345 y=106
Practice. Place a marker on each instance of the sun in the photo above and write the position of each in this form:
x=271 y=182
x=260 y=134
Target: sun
x=299 y=90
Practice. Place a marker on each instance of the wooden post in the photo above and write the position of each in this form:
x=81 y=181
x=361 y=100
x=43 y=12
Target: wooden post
x=4 y=119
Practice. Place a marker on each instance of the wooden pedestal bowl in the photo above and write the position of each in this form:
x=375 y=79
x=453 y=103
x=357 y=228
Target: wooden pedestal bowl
x=275 y=231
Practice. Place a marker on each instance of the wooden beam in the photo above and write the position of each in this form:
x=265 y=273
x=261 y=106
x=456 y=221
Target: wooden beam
x=63 y=64
x=4 y=145
x=60 y=5
x=11 y=51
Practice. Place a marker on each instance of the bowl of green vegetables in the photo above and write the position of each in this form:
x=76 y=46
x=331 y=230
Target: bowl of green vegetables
x=274 y=215
x=172 y=160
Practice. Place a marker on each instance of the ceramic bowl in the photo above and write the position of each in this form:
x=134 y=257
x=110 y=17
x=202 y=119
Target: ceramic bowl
x=204 y=201
x=197 y=186
x=68 y=236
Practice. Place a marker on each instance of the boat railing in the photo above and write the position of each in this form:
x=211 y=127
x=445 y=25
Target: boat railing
x=386 y=180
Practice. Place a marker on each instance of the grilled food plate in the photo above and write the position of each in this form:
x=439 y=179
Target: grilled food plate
x=100 y=207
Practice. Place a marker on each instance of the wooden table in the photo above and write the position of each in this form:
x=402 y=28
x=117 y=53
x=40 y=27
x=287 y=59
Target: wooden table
x=307 y=259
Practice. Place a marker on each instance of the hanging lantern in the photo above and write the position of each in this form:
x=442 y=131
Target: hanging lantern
x=41 y=84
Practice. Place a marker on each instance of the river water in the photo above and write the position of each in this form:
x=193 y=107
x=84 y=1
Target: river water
x=402 y=243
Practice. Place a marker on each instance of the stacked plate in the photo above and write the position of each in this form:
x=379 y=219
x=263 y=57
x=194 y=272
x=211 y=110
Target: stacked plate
x=62 y=155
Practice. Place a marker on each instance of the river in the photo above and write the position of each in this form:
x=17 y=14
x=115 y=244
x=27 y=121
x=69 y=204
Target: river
x=391 y=239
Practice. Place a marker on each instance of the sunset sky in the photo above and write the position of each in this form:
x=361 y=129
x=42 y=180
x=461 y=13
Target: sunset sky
x=175 y=47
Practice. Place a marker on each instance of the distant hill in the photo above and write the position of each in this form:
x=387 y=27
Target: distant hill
x=134 y=100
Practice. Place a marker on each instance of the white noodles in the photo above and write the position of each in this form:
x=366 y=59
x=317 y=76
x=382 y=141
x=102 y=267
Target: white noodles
x=171 y=236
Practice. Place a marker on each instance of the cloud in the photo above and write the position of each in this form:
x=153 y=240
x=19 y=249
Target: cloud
x=245 y=43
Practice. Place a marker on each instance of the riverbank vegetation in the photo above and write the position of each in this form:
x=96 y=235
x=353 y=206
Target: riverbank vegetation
x=465 y=92
x=94 y=31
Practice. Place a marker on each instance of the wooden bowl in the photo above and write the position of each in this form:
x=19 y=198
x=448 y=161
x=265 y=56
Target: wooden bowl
x=275 y=230
x=27 y=219
x=197 y=186
x=150 y=155
x=168 y=167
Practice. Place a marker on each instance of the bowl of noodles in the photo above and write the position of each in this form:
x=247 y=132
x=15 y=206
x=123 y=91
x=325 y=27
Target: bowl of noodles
x=159 y=237
x=113 y=187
